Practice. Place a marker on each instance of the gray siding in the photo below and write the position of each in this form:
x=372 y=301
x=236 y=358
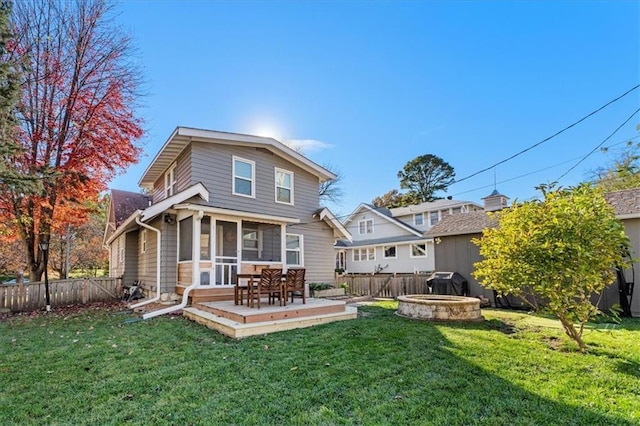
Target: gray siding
x=169 y=255
x=318 y=252
x=130 y=273
x=183 y=176
x=403 y=263
x=147 y=262
x=458 y=254
x=382 y=228
x=212 y=165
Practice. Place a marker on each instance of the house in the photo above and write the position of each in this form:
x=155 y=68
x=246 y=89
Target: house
x=454 y=250
x=220 y=204
x=393 y=240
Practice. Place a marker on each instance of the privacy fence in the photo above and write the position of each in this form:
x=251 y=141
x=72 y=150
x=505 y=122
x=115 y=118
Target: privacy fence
x=385 y=285
x=31 y=296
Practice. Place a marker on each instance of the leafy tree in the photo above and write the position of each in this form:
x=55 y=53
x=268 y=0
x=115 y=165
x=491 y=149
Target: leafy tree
x=562 y=249
x=394 y=198
x=78 y=124
x=623 y=173
x=424 y=176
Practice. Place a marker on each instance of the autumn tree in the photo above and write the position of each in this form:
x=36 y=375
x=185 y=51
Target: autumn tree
x=562 y=249
x=77 y=114
x=425 y=175
x=394 y=198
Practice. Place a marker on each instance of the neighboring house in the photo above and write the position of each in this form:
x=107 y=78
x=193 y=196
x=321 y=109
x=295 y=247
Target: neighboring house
x=455 y=252
x=221 y=203
x=393 y=240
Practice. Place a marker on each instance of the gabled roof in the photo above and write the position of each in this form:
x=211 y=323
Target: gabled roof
x=626 y=203
x=385 y=214
x=183 y=136
x=462 y=224
x=339 y=231
x=430 y=206
x=379 y=241
x=124 y=203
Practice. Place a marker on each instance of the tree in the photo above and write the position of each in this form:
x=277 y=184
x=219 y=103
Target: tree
x=623 y=173
x=394 y=198
x=562 y=249
x=331 y=190
x=78 y=125
x=424 y=176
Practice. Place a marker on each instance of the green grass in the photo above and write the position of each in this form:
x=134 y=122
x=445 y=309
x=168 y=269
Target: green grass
x=93 y=368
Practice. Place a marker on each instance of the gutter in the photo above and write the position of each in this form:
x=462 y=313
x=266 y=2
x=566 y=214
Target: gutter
x=169 y=309
x=159 y=240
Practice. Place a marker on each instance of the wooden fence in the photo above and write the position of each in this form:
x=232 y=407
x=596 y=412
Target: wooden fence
x=385 y=285
x=31 y=296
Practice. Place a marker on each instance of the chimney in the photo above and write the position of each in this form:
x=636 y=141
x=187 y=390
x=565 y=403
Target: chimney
x=495 y=201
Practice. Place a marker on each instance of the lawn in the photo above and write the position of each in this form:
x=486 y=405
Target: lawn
x=92 y=367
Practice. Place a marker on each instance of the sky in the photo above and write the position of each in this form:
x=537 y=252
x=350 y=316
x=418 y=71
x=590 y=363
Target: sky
x=366 y=87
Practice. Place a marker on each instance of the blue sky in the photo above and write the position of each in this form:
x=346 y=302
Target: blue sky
x=376 y=84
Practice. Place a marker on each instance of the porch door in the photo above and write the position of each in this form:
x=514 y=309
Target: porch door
x=226 y=254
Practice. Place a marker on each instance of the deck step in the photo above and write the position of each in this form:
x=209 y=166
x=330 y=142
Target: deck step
x=239 y=330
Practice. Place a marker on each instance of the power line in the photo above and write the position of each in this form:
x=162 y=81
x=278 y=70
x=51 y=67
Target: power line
x=600 y=144
x=550 y=137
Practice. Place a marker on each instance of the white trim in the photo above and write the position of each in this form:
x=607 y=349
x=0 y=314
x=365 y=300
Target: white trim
x=237 y=213
x=192 y=191
x=143 y=241
x=275 y=178
x=439 y=217
x=415 y=216
x=300 y=250
x=326 y=215
x=366 y=250
x=123 y=227
x=252 y=163
x=384 y=254
x=426 y=253
x=394 y=221
x=366 y=227
x=170 y=181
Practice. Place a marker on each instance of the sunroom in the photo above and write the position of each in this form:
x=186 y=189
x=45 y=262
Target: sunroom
x=215 y=244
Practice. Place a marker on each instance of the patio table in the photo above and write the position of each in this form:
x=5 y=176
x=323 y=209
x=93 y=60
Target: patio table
x=249 y=286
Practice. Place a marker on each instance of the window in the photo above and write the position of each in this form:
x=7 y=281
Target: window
x=185 y=245
x=284 y=186
x=243 y=177
x=456 y=210
x=294 y=250
x=250 y=239
x=363 y=254
x=170 y=181
x=143 y=241
x=365 y=226
x=418 y=219
x=419 y=250
x=205 y=238
x=389 y=252
x=434 y=218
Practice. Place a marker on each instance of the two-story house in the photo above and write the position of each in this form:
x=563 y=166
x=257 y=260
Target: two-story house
x=394 y=240
x=221 y=203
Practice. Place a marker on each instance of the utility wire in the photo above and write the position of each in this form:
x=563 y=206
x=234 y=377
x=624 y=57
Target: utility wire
x=550 y=137
x=600 y=144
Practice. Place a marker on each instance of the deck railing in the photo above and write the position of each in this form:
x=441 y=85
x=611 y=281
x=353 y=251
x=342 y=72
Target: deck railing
x=31 y=296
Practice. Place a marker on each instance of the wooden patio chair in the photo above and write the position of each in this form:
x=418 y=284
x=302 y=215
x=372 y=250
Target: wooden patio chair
x=270 y=284
x=294 y=284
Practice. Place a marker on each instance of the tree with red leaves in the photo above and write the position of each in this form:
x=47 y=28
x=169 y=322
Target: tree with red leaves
x=78 y=124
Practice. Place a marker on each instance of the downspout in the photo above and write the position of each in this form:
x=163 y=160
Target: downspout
x=185 y=295
x=159 y=241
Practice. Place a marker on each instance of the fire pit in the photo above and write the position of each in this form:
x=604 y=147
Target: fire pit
x=439 y=307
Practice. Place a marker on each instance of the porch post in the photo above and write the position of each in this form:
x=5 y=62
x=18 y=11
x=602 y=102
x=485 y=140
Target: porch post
x=283 y=245
x=197 y=226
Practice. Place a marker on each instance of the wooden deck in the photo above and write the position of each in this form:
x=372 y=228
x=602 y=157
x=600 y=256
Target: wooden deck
x=238 y=321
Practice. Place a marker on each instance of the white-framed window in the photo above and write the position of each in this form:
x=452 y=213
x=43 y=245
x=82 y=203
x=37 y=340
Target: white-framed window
x=143 y=241
x=389 y=252
x=456 y=210
x=250 y=239
x=170 y=181
x=284 y=186
x=365 y=226
x=294 y=250
x=418 y=219
x=244 y=177
x=434 y=217
x=418 y=250
x=363 y=254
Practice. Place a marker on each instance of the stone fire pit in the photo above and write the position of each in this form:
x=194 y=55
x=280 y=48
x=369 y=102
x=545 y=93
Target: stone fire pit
x=439 y=307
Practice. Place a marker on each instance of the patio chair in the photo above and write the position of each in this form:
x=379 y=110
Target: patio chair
x=294 y=284
x=270 y=284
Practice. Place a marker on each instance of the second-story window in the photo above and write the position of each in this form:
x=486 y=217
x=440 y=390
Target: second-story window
x=418 y=219
x=170 y=181
x=434 y=217
x=365 y=226
x=244 y=180
x=284 y=186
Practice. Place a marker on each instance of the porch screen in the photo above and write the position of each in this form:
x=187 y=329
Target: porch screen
x=185 y=245
x=261 y=242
